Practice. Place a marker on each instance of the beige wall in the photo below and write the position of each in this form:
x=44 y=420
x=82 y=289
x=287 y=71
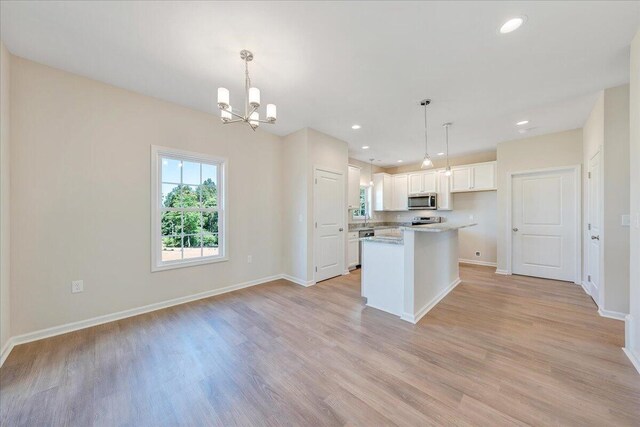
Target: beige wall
x=303 y=151
x=633 y=320
x=5 y=230
x=295 y=212
x=539 y=152
x=440 y=162
x=606 y=131
x=616 y=199
x=81 y=204
x=333 y=154
x=478 y=207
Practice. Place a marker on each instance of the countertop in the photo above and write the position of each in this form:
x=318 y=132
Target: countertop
x=438 y=227
x=398 y=238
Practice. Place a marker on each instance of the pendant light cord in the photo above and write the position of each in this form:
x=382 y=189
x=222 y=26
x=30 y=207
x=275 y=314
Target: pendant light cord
x=426 y=145
x=447 y=134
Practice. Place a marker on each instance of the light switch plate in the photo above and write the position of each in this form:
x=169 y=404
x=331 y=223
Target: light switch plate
x=626 y=220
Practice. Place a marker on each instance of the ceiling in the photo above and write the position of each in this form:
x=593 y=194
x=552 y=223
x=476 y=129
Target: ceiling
x=329 y=65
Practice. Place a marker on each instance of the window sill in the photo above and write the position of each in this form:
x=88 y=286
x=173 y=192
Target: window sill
x=182 y=264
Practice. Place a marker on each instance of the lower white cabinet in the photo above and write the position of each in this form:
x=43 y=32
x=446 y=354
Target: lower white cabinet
x=353 y=250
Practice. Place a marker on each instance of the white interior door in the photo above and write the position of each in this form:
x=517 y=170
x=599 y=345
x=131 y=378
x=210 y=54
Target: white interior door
x=329 y=210
x=594 y=227
x=544 y=224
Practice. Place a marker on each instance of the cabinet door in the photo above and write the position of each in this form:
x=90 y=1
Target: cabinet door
x=416 y=183
x=353 y=251
x=354 y=188
x=429 y=180
x=445 y=201
x=484 y=176
x=400 y=196
x=460 y=179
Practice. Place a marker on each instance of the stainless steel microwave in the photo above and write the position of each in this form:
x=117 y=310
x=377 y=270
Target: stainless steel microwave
x=425 y=201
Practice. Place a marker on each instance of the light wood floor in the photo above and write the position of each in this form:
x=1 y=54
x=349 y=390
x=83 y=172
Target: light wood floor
x=496 y=351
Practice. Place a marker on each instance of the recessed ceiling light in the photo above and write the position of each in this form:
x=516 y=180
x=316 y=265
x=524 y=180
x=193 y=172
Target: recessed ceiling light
x=355 y=127
x=440 y=154
x=512 y=24
x=523 y=122
x=365 y=147
x=399 y=161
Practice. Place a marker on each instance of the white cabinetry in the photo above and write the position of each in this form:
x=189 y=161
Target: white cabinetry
x=353 y=250
x=445 y=201
x=422 y=182
x=353 y=188
x=382 y=187
x=399 y=194
x=478 y=177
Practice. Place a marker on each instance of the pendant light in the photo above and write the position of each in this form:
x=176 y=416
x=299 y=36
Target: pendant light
x=447 y=171
x=371 y=172
x=426 y=162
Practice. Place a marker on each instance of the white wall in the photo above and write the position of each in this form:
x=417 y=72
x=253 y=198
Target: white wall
x=81 y=203
x=633 y=320
x=478 y=207
x=5 y=229
x=539 y=152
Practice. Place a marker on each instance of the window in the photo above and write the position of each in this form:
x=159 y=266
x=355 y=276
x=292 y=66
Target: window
x=364 y=210
x=188 y=209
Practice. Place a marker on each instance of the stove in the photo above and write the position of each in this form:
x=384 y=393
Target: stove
x=421 y=220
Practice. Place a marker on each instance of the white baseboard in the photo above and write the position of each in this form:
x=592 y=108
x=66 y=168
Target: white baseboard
x=298 y=281
x=99 y=320
x=633 y=357
x=476 y=262
x=415 y=318
x=8 y=346
x=588 y=289
x=612 y=314
x=503 y=272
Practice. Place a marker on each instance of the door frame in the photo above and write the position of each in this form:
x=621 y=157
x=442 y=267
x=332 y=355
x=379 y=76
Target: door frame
x=599 y=298
x=577 y=179
x=314 y=233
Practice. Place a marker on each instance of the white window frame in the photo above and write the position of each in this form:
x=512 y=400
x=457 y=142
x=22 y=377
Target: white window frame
x=157 y=152
x=367 y=203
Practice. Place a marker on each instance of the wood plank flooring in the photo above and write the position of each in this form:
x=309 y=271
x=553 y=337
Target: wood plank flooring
x=496 y=351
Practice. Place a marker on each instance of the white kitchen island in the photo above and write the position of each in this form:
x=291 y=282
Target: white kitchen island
x=407 y=274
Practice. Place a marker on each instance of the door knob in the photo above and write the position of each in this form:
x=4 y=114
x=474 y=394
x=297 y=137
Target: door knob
x=515 y=229
x=340 y=229
x=595 y=237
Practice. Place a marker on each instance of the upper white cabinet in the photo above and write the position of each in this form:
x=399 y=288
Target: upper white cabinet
x=445 y=201
x=353 y=190
x=477 y=177
x=399 y=195
x=422 y=182
x=382 y=189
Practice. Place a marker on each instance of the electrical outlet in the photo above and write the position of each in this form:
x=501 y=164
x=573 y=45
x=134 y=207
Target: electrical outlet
x=77 y=286
x=477 y=253
x=626 y=220
x=250 y=259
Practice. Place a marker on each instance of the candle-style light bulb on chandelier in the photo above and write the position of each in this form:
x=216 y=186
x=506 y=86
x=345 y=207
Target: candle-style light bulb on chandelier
x=426 y=162
x=447 y=171
x=251 y=115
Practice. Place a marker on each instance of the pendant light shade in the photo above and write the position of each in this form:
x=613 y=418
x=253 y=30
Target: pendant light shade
x=426 y=162
x=447 y=171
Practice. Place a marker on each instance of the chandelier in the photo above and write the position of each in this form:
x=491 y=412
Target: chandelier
x=251 y=102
